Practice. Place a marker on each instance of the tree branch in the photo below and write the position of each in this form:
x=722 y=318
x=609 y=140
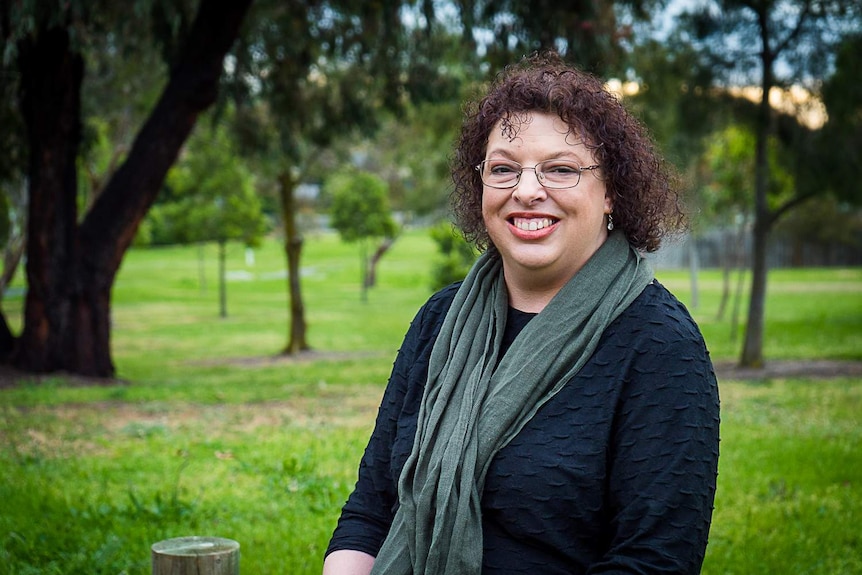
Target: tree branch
x=778 y=213
x=110 y=226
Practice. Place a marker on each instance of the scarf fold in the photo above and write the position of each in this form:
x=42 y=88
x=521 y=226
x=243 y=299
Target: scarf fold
x=473 y=404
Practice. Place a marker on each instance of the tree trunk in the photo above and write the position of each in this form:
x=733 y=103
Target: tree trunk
x=293 y=250
x=752 y=349
x=51 y=77
x=222 y=278
x=727 y=258
x=693 y=267
x=371 y=278
x=364 y=266
x=70 y=268
x=202 y=272
x=7 y=339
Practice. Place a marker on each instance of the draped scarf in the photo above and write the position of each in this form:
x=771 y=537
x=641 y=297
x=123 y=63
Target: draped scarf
x=474 y=402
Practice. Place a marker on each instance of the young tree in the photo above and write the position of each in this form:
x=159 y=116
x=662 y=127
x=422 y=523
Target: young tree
x=769 y=44
x=72 y=261
x=345 y=62
x=213 y=200
x=360 y=213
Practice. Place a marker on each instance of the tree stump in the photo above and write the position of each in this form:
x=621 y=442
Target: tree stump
x=196 y=556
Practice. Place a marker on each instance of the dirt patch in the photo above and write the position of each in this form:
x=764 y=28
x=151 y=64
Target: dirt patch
x=782 y=369
x=337 y=407
x=283 y=359
x=725 y=370
x=12 y=377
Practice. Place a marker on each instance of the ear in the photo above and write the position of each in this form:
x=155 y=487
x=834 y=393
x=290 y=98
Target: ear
x=609 y=204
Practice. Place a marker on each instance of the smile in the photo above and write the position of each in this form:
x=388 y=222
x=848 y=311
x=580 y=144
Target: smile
x=532 y=224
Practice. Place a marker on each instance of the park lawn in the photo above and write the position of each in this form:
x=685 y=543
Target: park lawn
x=210 y=432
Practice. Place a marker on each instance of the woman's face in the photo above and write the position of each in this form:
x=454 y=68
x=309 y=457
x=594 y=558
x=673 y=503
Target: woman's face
x=544 y=235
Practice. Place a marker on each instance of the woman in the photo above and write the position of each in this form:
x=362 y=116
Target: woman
x=557 y=412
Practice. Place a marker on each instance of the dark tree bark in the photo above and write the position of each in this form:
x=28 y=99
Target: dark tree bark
x=51 y=77
x=71 y=268
x=297 y=341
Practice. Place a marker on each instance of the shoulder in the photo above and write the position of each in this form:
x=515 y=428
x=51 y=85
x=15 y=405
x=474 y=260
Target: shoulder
x=654 y=339
x=657 y=312
x=426 y=324
x=432 y=313
x=442 y=299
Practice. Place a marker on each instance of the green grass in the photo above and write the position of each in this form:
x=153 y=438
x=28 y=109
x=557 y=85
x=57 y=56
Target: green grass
x=211 y=433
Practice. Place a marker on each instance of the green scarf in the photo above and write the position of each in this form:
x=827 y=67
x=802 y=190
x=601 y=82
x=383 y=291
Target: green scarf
x=474 y=405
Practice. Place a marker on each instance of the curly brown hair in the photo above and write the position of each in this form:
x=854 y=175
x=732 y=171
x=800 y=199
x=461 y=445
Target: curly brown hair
x=642 y=185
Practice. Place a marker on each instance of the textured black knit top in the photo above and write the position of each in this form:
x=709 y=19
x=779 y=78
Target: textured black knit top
x=615 y=474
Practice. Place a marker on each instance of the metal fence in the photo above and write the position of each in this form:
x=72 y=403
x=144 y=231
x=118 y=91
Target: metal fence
x=717 y=248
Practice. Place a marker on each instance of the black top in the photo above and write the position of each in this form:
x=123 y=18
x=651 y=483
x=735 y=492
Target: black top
x=614 y=474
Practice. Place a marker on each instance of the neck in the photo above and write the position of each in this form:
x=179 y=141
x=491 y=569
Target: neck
x=531 y=295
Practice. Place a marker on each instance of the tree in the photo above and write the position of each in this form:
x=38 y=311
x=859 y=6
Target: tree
x=411 y=149
x=770 y=43
x=729 y=162
x=72 y=262
x=583 y=31
x=212 y=200
x=680 y=115
x=730 y=168
x=455 y=256
x=838 y=143
x=360 y=213
x=345 y=62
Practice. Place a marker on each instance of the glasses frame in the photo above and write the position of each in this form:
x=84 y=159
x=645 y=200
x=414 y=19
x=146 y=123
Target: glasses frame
x=540 y=175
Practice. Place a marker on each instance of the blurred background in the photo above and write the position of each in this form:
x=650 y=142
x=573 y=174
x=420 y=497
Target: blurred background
x=172 y=122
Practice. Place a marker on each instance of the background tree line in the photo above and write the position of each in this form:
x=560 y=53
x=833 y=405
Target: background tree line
x=100 y=100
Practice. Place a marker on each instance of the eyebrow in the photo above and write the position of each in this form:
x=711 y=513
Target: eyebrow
x=558 y=155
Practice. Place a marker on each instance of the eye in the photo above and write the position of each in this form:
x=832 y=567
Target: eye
x=502 y=169
x=561 y=168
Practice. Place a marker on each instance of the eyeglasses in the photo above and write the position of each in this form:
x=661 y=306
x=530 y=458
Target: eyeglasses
x=553 y=174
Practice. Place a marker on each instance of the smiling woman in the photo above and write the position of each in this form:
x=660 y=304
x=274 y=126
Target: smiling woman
x=557 y=411
x=543 y=231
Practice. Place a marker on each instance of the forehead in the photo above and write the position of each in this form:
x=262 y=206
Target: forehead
x=540 y=132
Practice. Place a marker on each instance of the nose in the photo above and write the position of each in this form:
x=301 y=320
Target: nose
x=529 y=189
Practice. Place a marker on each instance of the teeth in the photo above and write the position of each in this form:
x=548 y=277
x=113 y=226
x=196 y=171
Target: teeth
x=531 y=225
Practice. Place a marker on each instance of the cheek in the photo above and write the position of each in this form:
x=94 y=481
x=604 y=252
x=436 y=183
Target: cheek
x=487 y=208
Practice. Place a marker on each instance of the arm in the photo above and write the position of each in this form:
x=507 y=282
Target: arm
x=368 y=513
x=663 y=457
x=366 y=516
x=348 y=562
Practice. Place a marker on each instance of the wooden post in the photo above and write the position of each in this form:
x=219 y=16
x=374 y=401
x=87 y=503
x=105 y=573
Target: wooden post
x=196 y=556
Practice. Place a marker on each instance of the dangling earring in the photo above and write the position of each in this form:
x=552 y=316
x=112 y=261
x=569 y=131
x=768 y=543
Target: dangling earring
x=610 y=222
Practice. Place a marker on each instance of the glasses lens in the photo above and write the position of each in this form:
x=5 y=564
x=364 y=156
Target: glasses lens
x=559 y=173
x=500 y=173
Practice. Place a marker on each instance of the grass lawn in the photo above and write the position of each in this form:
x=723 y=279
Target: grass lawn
x=210 y=432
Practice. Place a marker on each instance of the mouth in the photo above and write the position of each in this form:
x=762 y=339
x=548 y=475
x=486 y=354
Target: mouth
x=532 y=224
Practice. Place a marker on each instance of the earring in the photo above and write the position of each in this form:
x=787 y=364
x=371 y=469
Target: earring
x=610 y=222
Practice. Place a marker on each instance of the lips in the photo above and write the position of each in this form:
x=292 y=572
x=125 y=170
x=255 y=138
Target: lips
x=532 y=224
